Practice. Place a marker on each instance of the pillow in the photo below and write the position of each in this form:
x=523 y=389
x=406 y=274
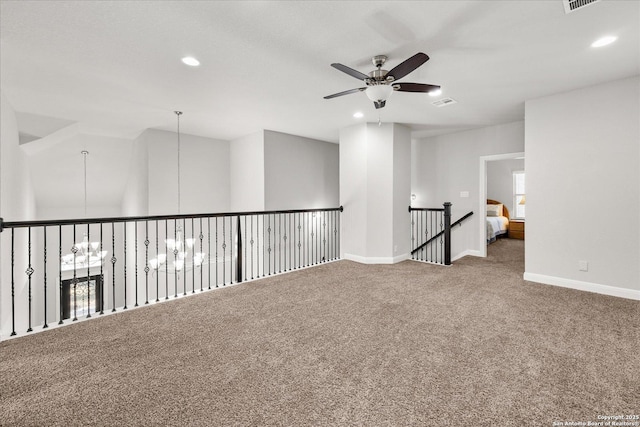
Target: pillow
x=494 y=210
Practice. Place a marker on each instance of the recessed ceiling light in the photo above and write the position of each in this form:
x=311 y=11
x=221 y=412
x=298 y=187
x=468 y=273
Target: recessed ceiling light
x=189 y=60
x=358 y=115
x=436 y=92
x=604 y=41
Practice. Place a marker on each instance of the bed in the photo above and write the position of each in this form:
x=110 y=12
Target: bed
x=497 y=220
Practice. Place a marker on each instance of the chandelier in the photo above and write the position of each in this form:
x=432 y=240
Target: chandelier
x=184 y=256
x=85 y=253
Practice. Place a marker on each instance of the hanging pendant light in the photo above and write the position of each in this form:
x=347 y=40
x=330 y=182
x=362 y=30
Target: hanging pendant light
x=84 y=253
x=179 y=246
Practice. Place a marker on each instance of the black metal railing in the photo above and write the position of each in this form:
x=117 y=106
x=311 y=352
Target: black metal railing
x=109 y=264
x=431 y=233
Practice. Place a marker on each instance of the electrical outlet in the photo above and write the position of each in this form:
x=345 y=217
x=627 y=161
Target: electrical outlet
x=583 y=265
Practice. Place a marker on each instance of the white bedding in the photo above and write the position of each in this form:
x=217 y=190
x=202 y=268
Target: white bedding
x=496 y=225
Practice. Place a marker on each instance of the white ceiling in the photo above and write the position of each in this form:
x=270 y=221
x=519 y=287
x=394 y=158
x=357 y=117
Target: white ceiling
x=114 y=66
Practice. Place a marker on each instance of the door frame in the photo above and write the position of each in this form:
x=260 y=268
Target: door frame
x=482 y=195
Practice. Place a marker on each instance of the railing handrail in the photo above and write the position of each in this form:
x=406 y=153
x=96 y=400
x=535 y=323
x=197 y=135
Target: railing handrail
x=77 y=221
x=467 y=215
x=411 y=209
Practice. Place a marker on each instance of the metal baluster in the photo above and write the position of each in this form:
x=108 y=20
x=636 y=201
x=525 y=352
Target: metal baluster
x=245 y=249
x=29 y=272
x=305 y=228
x=251 y=222
x=441 y=238
x=193 y=259
x=433 y=245
x=224 y=252
x=88 y=261
x=166 y=251
x=269 y=248
x=280 y=221
x=209 y=250
x=201 y=236
x=231 y=250
x=157 y=265
x=216 y=252
x=299 y=264
x=292 y=239
x=175 y=258
x=423 y=233
x=102 y=286
x=339 y=231
x=411 y=234
x=279 y=243
x=324 y=232
x=135 y=252
x=113 y=265
x=45 y=277
x=124 y=227
x=74 y=250
x=184 y=242
x=60 y=322
x=13 y=285
x=146 y=262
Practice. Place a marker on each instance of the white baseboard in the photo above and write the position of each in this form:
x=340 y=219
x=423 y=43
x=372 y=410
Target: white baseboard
x=376 y=260
x=583 y=286
x=469 y=252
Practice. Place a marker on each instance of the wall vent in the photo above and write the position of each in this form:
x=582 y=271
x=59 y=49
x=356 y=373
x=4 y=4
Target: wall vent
x=444 y=101
x=573 y=5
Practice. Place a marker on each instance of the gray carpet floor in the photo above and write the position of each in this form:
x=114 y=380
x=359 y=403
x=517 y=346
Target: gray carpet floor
x=341 y=344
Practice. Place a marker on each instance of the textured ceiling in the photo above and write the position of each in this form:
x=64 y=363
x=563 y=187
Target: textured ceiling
x=95 y=74
x=114 y=66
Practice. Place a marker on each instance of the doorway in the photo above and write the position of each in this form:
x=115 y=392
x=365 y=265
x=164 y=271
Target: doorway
x=482 y=208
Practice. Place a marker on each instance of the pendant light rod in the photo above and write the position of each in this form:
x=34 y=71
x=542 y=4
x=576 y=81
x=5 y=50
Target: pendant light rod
x=84 y=154
x=178 y=114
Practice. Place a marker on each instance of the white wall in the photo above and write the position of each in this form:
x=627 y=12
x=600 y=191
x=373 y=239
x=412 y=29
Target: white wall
x=204 y=173
x=17 y=203
x=443 y=166
x=401 y=191
x=135 y=201
x=375 y=178
x=583 y=188
x=500 y=181
x=247 y=174
x=300 y=173
x=379 y=155
x=353 y=190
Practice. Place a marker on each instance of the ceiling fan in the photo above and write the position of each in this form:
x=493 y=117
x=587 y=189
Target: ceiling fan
x=380 y=83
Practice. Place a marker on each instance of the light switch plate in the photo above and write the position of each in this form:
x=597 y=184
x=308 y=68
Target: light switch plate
x=464 y=194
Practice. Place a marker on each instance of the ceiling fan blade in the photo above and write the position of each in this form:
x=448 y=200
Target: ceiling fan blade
x=346 y=92
x=353 y=73
x=404 y=68
x=379 y=104
x=414 y=87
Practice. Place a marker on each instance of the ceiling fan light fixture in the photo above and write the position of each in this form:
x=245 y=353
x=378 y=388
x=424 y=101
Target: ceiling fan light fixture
x=379 y=92
x=436 y=92
x=358 y=115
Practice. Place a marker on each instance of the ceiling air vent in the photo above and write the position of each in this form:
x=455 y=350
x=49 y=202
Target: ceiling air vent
x=444 y=101
x=573 y=5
